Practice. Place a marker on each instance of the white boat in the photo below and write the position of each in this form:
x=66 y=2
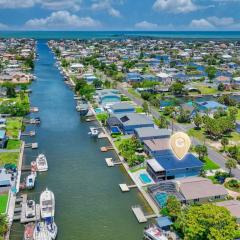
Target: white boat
x=47 y=204
x=41 y=232
x=41 y=162
x=93 y=131
x=30 y=180
x=30 y=209
x=51 y=227
x=153 y=233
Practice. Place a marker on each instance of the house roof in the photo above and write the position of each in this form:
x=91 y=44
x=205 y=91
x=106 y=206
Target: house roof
x=198 y=187
x=170 y=162
x=155 y=165
x=2 y=134
x=152 y=132
x=129 y=119
x=157 y=144
x=232 y=205
x=164 y=222
x=122 y=106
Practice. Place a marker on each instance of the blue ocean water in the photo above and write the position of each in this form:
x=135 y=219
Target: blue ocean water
x=122 y=34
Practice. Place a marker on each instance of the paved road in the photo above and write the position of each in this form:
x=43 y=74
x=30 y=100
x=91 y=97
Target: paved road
x=213 y=155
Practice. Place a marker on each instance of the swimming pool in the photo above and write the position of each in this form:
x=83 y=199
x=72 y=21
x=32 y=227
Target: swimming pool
x=115 y=129
x=145 y=178
x=161 y=198
x=98 y=110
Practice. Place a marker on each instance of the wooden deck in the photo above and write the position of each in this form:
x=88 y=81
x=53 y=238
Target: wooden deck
x=137 y=210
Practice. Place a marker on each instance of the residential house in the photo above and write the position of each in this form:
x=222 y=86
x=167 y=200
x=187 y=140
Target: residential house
x=121 y=107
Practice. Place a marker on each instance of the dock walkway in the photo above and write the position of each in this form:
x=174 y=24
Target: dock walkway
x=137 y=210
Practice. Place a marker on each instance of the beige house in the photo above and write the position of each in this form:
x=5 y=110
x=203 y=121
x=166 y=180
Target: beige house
x=200 y=190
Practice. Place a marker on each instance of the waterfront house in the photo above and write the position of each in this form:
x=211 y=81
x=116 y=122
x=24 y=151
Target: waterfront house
x=108 y=96
x=236 y=82
x=200 y=190
x=133 y=77
x=149 y=133
x=128 y=122
x=209 y=106
x=169 y=167
x=121 y=107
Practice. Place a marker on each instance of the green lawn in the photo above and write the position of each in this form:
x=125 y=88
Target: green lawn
x=8 y=157
x=13 y=144
x=13 y=126
x=139 y=110
x=199 y=134
x=207 y=90
x=209 y=164
x=3 y=203
x=134 y=93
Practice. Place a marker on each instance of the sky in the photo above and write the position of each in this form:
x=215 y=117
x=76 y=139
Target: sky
x=162 y=15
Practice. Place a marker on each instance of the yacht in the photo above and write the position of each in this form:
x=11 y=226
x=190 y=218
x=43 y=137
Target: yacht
x=41 y=232
x=41 y=162
x=28 y=231
x=93 y=131
x=30 y=180
x=30 y=209
x=154 y=233
x=47 y=204
x=51 y=227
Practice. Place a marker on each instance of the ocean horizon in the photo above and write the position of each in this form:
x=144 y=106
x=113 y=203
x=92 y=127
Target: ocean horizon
x=219 y=35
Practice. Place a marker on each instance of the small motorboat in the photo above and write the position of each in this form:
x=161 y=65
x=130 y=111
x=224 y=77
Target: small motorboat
x=41 y=162
x=33 y=166
x=28 y=231
x=93 y=131
x=30 y=180
x=51 y=227
x=30 y=209
x=47 y=204
x=41 y=232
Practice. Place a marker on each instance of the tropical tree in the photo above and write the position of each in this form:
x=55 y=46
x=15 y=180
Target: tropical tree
x=177 y=88
x=231 y=164
x=162 y=122
x=173 y=207
x=211 y=72
x=145 y=107
x=206 y=222
x=3 y=224
x=197 y=121
x=224 y=143
x=201 y=150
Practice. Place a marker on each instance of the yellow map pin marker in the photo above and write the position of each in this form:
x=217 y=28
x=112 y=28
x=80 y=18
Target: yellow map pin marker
x=180 y=144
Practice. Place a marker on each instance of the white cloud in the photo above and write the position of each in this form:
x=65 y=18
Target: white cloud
x=48 y=4
x=107 y=6
x=146 y=25
x=201 y=23
x=175 y=6
x=16 y=3
x=62 y=20
x=213 y=22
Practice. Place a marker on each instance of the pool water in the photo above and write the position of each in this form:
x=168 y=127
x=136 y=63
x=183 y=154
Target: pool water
x=161 y=199
x=98 y=110
x=145 y=178
x=115 y=130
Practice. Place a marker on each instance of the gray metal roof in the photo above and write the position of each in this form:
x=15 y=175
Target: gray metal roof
x=129 y=119
x=152 y=132
x=122 y=106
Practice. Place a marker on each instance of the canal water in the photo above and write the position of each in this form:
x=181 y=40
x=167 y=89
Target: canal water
x=89 y=204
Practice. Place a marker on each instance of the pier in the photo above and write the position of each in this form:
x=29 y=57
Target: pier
x=137 y=210
x=31 y=145
x=107 y=148
x=34 y=109
x=30 y=133
x=31 y=121
x=111 y=163
x=126 y=188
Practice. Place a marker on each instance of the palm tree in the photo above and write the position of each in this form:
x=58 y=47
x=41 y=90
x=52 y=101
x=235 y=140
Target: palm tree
x=224 y=143
x=231 y=164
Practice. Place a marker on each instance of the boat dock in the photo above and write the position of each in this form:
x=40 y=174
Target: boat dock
x=34 y=109
x=31 y=133
x=126 y=188
x=111 y=163
x=138 y=212
x=31 y=121
x=31 y=145
x=20 y=212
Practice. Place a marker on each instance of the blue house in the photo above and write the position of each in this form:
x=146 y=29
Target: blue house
x=122 y=107
x=133 y=77
x=128 y=122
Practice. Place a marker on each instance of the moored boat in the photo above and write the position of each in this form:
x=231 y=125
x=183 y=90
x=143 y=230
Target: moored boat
x=30 y=209
x=51 y=227
x=93 y=131
x=30 y=180
x=41 y=232
x=29 y=231
x=41 y=163
x=47 y=204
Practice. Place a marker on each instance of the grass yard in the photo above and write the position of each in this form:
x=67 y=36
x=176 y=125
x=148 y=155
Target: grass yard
x=13 y=144
x=8 y=157
x=139 y=110
x=209 y=164
x=13 y=126
x=199 y=134
x=207 y=90
x=134 y=93
x=3 y=203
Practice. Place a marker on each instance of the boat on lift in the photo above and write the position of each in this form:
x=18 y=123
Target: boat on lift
x=30 y=209
x=30 y=180
x=93 y=131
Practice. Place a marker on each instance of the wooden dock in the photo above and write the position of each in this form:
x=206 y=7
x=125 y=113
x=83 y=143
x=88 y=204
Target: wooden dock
x=137 y=210
x=31 y=121
x=31 y=133
x=105 y=149
x=31 y=145
x=111 y=163
x=102 y=135
x=126 y=188
x=34 y=109
x=26 y=168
